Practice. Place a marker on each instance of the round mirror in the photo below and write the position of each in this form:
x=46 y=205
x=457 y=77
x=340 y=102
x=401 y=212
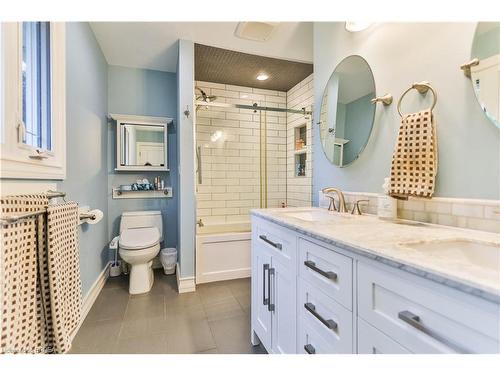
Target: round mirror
x=346 y=117
x=485 y=76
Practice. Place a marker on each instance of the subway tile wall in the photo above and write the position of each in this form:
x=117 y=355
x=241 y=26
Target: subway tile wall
x=229 y=141
x=299 y=189
x=477 y=214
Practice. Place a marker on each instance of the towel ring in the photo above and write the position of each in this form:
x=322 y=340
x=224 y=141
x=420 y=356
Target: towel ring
x=422 y=88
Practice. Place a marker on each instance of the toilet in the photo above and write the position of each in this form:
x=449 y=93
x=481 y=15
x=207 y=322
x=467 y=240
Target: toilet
x=140 y=237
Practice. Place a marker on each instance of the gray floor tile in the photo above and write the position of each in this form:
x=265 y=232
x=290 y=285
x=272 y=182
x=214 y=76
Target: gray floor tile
x=244 y=300
x=110 y=304
x=213 y=292
x=119 y=282
x=239 y=286
x=214 y=319
x=153 y=344
x=232 y=335
x=96 y=337
x=210 y=351
x=184 y=300
x=190 y=337
x=223 y=309
x=146 y=307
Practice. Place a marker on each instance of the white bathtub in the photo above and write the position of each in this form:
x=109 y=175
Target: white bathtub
x=223 y=252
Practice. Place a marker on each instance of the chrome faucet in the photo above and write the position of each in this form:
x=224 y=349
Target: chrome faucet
x=342 y=207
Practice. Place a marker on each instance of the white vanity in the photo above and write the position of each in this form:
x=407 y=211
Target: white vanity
x=324 y=282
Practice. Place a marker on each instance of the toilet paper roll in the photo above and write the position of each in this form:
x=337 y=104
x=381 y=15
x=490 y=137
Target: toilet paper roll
x=98 y=215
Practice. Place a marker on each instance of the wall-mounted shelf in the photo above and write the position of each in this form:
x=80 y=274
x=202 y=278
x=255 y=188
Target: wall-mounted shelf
x=301 y=151
x=141 y=194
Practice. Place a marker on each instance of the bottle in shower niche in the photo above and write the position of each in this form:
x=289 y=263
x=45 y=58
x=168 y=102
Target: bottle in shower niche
x=387 y=206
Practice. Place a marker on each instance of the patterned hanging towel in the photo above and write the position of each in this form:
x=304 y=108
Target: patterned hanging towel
x=414 y=161
x=61 y=283
x=23 y=327
x=40 y=286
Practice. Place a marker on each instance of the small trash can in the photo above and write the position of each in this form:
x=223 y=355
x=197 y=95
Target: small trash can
x=168 y=258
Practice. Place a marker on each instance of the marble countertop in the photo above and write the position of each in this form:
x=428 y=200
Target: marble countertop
x=390 y=242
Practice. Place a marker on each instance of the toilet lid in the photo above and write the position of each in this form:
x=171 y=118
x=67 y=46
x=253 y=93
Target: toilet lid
x=139 y=238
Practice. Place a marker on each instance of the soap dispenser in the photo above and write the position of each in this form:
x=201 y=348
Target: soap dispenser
x=387 y=207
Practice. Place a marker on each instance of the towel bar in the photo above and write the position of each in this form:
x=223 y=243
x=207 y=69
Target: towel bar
x=422 y=88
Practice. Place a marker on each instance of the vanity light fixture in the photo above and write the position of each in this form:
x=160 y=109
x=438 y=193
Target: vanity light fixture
x=353 y=26
x=262 y=77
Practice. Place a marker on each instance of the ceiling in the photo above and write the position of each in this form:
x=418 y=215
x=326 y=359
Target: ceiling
x=153 y=45
x=241 y=69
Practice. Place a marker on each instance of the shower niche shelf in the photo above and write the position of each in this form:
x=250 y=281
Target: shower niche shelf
x=118 y=193
x=300 y=164
x=300 y=138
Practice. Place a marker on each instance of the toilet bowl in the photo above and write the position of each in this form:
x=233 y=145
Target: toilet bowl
x=139 y=243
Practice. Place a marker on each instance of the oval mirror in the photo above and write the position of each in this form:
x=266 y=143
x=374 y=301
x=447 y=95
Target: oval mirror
x=485 y=76
x=347 y=114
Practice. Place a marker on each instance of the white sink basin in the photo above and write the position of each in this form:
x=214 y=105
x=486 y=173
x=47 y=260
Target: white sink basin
x=482 y=254
x=317 y=216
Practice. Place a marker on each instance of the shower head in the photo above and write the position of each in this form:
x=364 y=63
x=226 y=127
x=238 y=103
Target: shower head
x=204 y=97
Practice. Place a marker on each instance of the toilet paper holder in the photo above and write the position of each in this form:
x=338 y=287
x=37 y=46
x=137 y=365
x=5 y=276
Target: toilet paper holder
x=85 y=214
x=89 y=215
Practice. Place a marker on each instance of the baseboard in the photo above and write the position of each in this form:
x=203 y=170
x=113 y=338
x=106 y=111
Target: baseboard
x=184 y=284
x=210 y=277
x=91 y=296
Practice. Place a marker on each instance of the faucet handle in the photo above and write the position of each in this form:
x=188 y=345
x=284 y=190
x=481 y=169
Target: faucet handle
x=332 y=206
x=355 y=207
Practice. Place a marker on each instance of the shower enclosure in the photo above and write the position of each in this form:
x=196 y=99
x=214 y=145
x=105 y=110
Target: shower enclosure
x=252 y=151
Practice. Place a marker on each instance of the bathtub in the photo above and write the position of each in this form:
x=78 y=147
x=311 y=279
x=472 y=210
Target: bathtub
x=223 y=252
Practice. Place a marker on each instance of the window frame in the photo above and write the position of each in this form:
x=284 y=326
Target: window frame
x=17 y=159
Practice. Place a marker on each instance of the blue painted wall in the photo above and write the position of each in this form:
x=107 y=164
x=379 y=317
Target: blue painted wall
x=469 y=145
x=86 y=132
x=150 y=93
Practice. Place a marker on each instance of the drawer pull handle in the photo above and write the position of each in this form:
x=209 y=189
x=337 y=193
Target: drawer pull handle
x=327 y=322
x=273 y=244
x=270 y=306
x=414 y=321
x=309 y=349
x=328 y=274
x=265 y=267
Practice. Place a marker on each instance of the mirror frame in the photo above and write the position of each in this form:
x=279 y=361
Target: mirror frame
x=140 y=120
x=497 y=123
x=373 y=117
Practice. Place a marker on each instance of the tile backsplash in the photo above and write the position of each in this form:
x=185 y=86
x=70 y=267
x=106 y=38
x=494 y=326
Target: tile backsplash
x=478 y=214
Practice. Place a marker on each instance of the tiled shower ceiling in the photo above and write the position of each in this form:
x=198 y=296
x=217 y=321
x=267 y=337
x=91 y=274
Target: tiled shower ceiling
x=236 y=68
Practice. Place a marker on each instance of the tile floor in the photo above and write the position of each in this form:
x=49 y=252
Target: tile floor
x=214 y=319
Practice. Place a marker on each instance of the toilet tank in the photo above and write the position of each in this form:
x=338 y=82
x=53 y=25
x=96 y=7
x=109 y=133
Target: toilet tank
x=142 y=219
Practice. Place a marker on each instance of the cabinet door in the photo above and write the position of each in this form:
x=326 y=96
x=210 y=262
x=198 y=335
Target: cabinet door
x=261 y=316
x=283 y=306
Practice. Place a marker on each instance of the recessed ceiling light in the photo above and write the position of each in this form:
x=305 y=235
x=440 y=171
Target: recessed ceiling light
x=262 y=77
x=354 y=26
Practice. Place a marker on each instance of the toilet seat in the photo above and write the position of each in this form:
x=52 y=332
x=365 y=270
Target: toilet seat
x=138 y=239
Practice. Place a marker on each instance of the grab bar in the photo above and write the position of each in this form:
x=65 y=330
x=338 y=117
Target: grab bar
x=198 y=165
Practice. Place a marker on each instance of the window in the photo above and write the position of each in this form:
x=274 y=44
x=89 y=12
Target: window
x=32 y=99
x=36 y=82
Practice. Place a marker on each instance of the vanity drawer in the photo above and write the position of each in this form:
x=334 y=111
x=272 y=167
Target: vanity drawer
x=372 y=341
x=278 y=241
x=311 y=342
x=328 y=318
x=424 y=316
x=326 y=270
